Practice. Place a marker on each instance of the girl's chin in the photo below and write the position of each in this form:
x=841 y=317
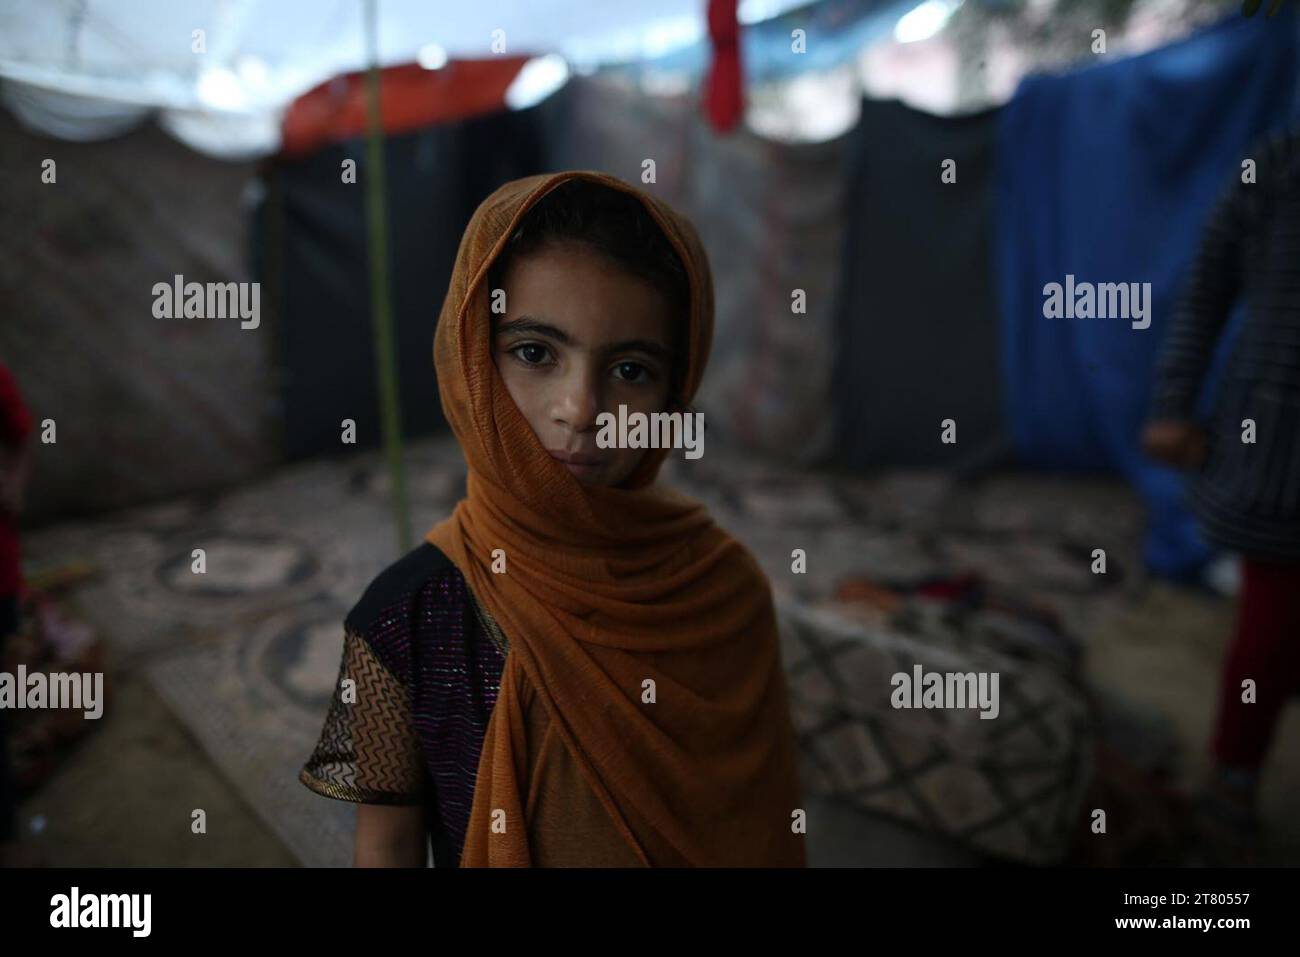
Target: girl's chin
x=599 y=475
x=593 y=480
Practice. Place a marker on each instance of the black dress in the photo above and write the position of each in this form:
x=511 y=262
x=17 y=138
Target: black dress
x=421 y=667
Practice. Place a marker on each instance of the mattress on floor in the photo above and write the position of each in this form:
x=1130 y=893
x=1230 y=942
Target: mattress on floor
x=1009 y=787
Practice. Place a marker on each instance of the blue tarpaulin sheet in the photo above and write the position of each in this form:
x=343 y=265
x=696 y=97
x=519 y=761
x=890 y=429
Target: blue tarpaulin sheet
x=1107 y=174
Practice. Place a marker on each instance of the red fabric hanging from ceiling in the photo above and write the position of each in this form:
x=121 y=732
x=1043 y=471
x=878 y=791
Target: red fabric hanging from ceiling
x=723 y=95
x=410 y=97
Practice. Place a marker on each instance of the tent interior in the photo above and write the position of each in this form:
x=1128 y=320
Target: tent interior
x=883 y=187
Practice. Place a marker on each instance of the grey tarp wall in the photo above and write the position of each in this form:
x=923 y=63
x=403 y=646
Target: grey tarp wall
x=143 y=407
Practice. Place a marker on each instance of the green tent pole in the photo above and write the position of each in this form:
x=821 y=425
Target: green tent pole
x=380 y=302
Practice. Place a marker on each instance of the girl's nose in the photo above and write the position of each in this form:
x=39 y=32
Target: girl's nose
x=578 y=402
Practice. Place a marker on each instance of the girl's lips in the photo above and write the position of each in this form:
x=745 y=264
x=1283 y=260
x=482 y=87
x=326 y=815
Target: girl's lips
x=573 y=458
x=580 y=466
x=579 y=469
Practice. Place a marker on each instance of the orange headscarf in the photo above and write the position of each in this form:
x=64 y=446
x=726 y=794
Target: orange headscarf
x=603 y=589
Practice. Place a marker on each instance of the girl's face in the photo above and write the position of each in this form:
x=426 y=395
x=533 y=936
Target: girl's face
x=582 y=336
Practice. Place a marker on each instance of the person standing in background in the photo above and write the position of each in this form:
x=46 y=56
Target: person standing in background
x=1245 y=491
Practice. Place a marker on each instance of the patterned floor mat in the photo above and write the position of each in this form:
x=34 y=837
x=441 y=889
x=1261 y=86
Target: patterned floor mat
x=247 y=653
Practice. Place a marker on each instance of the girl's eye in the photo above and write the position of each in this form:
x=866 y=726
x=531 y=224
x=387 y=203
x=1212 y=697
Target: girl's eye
x=530 y=353
x=633 y=372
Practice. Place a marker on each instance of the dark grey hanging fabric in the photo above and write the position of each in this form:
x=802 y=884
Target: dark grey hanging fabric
x=916 y=323
x=311 y=242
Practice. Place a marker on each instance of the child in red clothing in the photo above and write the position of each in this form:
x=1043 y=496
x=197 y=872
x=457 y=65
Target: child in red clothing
x=15 y=462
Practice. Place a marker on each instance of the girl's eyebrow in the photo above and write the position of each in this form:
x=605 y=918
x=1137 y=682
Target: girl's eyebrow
x=523 y=324
x=649 y=347
x=529 y=324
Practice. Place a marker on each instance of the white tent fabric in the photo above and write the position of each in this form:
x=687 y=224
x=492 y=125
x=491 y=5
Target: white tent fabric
x=221 y=72
x=68 y=116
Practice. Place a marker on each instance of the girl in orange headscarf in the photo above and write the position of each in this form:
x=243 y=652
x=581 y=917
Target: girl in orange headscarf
x=616 y=696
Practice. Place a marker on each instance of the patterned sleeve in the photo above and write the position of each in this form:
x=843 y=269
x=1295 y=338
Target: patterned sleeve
x=1201 y=311
x=1216 y=279
x=368 y=751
